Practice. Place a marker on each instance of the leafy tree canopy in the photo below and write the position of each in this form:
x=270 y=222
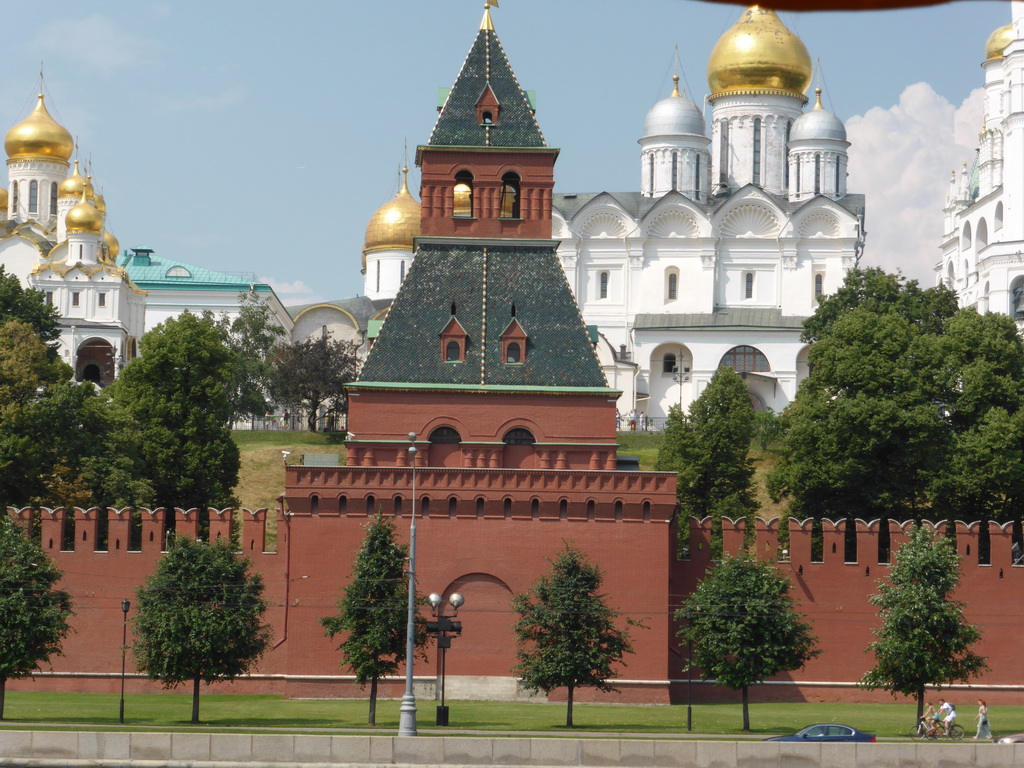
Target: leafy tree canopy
x=924 y=638
x=566 y=632
x=33 y=612
x=710 y=449
x=251 y=335
x=743 y=626
x=27 y=306
x=373 y=611
x=200 y=617
x=178 y=395
x=311 y=375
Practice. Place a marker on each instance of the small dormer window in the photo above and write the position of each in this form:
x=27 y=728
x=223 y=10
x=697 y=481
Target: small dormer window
x=454 y=341
x=487 y=108
x=487 y=118
x=513 y=343
x=178 y=271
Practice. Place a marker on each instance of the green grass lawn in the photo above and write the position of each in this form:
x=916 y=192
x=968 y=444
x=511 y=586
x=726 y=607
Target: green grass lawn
x=230 y=712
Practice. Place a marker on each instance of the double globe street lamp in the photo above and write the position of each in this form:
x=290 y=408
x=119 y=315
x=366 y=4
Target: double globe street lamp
x=444 y=629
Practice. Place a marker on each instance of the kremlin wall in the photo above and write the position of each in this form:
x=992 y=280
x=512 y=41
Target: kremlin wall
x=486 y=556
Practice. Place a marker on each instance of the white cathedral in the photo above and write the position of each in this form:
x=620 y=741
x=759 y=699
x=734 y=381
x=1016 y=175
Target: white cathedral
x=723 y=252
x=983 y=241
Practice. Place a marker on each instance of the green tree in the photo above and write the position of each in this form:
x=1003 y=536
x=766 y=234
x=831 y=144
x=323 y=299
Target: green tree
x=880 y=292
x=768 y=428
x=251 y=335
x=28 y=306
x=33 y=612
x=710 y=450
x=373 y=611
x=310 y=376
x=200 y=617
x=178 y=394
x=566 y=633
x=924 y=638
x=743 y=626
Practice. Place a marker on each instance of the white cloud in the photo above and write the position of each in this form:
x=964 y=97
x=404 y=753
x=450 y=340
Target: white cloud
x=293 y=293
x=901 y=159
x=95 y=42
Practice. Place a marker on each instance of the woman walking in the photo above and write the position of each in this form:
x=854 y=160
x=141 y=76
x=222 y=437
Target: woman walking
x=984 y=732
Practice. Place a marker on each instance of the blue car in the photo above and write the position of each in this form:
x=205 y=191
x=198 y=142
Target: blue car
x=827 y=732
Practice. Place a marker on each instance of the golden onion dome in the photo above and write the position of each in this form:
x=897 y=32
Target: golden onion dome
x=84 y=218
x=73 y=184
x=39 y=135
x=113 y=246
x=4 y=201
x=99 y=202
x=758 y=54
x=395 y=223
x=997 y=42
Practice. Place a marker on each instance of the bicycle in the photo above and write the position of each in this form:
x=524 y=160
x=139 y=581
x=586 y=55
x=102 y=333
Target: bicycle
x=925 y=731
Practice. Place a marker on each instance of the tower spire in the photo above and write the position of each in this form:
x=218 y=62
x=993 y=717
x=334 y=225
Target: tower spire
x=486 y=23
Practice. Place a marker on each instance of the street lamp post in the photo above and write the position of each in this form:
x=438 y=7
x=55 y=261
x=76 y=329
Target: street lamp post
x=125 y=606
x=407 y=716
x=444 y=629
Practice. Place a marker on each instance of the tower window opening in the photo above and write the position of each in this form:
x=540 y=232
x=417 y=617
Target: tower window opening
x=510 y=196
x=14 y=196
x=446 y=436
x=668 y=363
x=101 y=299
x=378 y=276
x=650 y=174
x=819 y=287
x=696 y=175
x=757 y=151
x=723 y=153
x=53 y=198
x=604 y=285
x=675 y=170
x=748 y=285
x=76 y=299
x=401 y=272
x=33 y=196
x=835 y=189
x=817 y=174
x=463 y=192
x=785 y=157
x=672 y=288
x=487 y=118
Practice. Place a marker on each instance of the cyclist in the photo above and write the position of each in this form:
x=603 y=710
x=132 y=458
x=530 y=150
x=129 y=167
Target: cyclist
x=947 y=712
x=930 y=720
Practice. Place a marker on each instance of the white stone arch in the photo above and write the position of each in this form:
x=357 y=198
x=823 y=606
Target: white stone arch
x=819 y=224
x=981 y=235
x=673 y=223
x=604 y=224
x=966 y=239
x=559 y=226
x=670 y=387
x=999 y=216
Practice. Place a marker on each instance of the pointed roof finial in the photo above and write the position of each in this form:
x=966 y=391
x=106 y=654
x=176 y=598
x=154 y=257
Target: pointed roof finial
x=817 y=96
x=675 y=86
x=486 y=23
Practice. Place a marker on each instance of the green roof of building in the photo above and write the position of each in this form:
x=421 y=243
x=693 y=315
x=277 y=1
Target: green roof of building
x=486 y=284
x=726 y=318
x=149 y=272
x=458 y=125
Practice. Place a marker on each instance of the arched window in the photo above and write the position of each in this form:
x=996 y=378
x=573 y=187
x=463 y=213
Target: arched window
x=743 y=359
x=748 y=285
x=486 y=118
x=817 y=174
x=785 y=157
x=314 y=505
x=604 y=285
x=650 y=172
x=819 y=283
x=33 y=196
x=965 y=238
x=668 y=363
x=371 y=505
x=981 y=235
x=14 y=196
x=723 y=153
x=696 y=175
x=757 y=150
x=463 y=204
x=453 y=507
x=512 y=352
x=999 y=217
x=672 y=286
x=675 y=170
x=53 y=198
x=453 y=352
x=519 y=436
x=796 y=172
x=401 y=271
x=445 y=435
x=510 y=196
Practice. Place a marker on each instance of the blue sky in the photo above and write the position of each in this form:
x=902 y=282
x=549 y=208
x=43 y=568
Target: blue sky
x=260 y=137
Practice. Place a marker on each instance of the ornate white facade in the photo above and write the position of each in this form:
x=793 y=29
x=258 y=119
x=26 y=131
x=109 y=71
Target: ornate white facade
x=983 y=243
x=53 y=238
x=735 y=232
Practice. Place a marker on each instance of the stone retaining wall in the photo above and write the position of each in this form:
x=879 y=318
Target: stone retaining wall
x=49 y=749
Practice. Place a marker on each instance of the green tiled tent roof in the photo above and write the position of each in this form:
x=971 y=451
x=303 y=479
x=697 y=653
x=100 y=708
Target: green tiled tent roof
x=457 y=125
x=484 y=282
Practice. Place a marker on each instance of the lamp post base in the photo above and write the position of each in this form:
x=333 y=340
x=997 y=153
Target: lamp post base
x=442 y=715
x=407 y=716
